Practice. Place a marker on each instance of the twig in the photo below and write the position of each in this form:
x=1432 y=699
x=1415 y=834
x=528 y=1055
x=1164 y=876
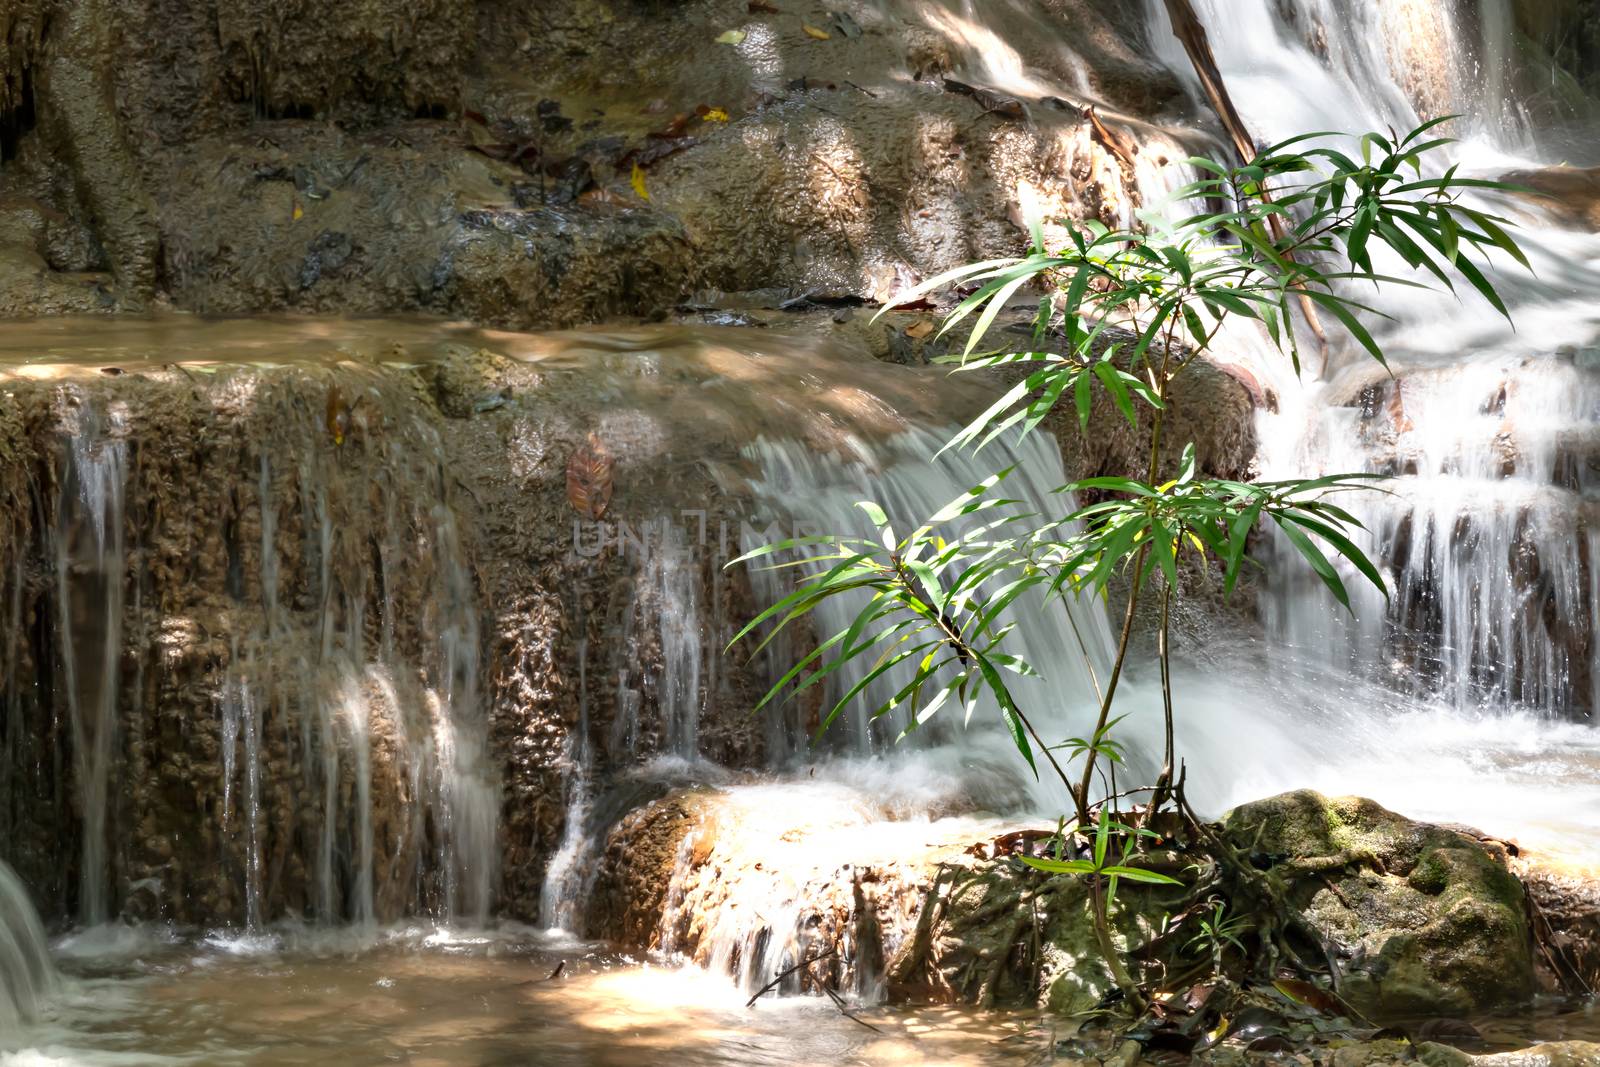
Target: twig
x=1334 y=889
x=770 y=986
x=1118 y=146
x=838 y=1002
x=1555 y=953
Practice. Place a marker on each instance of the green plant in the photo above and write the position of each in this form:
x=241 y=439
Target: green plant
x=1125 y=313
x=1218 y=931
x=1103 y=869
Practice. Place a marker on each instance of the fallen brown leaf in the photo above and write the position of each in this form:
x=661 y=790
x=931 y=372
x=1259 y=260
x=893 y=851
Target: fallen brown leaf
x=589 y=478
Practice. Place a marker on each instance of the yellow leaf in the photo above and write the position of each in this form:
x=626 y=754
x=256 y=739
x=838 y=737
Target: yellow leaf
x=298 y=211
x=812 y=31
x=638 y=183
x=715 y=114
x=732 y=37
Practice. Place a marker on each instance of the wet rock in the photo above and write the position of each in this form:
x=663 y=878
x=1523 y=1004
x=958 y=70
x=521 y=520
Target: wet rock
x=326 y=254
x=243 y=132
x=1424 y=921
x=75 y=94
x=713 y=876
x=1571 y=193
x=1549 y=1054
x=1565 y=909
x=641 y=853
x=288 y=59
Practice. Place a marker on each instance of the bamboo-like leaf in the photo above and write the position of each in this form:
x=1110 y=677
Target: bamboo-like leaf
x=1319 y=562
x=1141 y=874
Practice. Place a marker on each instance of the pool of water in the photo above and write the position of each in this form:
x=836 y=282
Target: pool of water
x=424 y=996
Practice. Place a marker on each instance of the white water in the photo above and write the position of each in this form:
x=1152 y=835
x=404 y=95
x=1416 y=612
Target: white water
x=1486 y=536
x=1445 y=703
x=819 y=494
x=27 y=977
x=90 y=582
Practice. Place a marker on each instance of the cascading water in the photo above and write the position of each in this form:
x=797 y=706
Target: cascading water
x=337 y=679
x=340 y=717
x=562 y=897
x=27 y=976
x=1486 y=533
x=820 y=494
x=90 y=575
x=783 y=854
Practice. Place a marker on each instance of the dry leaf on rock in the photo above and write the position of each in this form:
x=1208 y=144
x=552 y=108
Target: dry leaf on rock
x=589 y=478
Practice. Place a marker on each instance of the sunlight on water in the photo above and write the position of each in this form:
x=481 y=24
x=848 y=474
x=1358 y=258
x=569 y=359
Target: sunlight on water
x=454 y=1001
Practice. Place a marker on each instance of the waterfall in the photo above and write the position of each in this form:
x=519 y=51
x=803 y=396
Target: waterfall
x=90 y=582
x=323 y=656
x=566 y=880
x=661 y=657
x=470 y=849
x=241 y=717
x=26 y=974
x=818 y=494
x=1485 y=533
x=1296 y=66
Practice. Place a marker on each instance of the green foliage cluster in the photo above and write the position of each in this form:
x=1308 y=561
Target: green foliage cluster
x=1124 y=313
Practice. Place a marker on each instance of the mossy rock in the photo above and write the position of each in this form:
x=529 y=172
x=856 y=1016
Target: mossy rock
x=1004 y=936
x=1423 y=920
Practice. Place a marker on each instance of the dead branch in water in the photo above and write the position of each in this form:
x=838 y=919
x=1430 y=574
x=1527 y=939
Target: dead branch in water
x=802 y=965
x=838 y=1002
x=832 y=993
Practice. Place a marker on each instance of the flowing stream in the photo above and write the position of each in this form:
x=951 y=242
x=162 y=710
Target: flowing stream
x=362 y=824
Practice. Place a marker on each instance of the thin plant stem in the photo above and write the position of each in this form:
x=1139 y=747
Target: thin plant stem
x=1157 y=424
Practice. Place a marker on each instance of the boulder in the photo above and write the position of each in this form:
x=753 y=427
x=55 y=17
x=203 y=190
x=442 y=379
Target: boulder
x=1423 y=921
x=1571 y=193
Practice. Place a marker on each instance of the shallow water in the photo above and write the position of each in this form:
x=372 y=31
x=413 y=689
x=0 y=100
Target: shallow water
x=440 y=998
x=434 y=997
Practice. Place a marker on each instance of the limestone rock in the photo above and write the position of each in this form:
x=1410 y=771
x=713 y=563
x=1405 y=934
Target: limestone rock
x=630 y=895
x=1424 y=920
x=1572 y=193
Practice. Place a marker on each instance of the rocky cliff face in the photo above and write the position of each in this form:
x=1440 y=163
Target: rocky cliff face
x=288 y=638
x=309 y=619
x=547 y=164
